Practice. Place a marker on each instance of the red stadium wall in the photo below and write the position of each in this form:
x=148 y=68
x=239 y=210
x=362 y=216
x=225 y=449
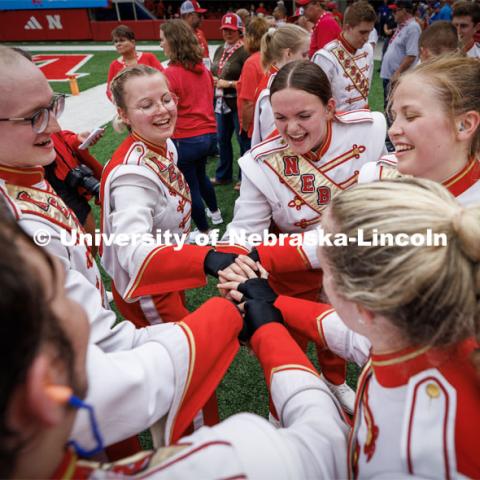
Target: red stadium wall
x=48 y=25
x=149 y=29
x=44 y=25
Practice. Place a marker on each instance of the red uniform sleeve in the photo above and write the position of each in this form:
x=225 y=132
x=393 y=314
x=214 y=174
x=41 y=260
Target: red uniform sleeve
x=305 y=317
x=283 y=258
x=209 y=360
x=277 y=350
x=166 y=260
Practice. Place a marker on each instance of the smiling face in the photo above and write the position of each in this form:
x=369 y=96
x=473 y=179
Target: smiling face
x=425 y=140
x=150 y=109
x=24 y=90
x=301 y=118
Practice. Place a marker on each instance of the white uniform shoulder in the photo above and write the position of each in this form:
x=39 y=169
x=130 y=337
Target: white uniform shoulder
x=372 y=171
x=360 y=116
x=428 y=434
x=267 y=147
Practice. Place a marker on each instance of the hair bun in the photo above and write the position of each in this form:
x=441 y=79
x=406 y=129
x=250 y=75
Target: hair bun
x=466 y=224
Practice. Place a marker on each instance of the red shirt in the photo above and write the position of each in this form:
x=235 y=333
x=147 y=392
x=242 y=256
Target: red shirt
x=264 y=81
x=203 y=42
x=250 y=77
x=326 y=29
x=143 y=58
x=195 y=100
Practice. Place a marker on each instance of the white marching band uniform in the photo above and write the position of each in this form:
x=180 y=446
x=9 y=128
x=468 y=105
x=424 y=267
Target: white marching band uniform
x=312 y=442
x=263 y=119
x=349 y=71
x=464 y=185
x=144 y=194
x=474 y=51
x=416 y=410
x=293 y=190
x=137 y=376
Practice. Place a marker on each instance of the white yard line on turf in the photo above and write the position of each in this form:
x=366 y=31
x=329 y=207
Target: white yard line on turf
x=88 y=110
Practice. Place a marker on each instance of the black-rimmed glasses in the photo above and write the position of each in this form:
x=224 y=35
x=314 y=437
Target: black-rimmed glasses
x=39 y=120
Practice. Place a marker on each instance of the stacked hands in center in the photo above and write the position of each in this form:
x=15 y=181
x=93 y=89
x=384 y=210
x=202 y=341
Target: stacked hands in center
x=244 y=281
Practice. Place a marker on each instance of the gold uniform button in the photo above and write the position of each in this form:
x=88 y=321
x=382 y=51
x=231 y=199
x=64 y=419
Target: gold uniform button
x=138 y=149
x=433 y=391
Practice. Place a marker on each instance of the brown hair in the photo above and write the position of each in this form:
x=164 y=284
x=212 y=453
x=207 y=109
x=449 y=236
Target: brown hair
x=277 y=40
x=467 y=9
x=430 y=293
x=122 y=31
x=184 y=46
x=303 y=75
x=255 y=30
x=440 y=37
x=359 y=12
x=456 y=80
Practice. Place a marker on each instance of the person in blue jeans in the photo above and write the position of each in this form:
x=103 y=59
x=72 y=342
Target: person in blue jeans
x=193 y=153
x=227 y=65
x=195 y=133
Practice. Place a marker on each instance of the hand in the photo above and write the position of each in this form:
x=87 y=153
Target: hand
x=221 y=83
x=257 y=314
x=242 y=270
x=258 y=289
x=84 y=135
x=215 y=261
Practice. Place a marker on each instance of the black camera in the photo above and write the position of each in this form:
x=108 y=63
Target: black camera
x=82 y=176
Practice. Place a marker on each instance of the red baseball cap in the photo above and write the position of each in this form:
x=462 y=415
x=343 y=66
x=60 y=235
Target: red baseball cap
x=393 y=6
x=303 y=2
x=331 y=5
x=298 y=13
x=231 y=21
x=190 y=6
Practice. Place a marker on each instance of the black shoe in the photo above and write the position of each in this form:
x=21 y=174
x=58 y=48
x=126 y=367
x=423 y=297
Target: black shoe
x=215 y=182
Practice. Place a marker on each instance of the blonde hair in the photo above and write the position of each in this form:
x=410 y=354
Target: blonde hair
x=117 y=87
x=456 y=80
x=430 y=293
x=276 y=41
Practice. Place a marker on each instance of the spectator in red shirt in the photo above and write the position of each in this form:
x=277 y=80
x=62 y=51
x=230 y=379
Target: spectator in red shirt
x=252 y=74
x=261 y=10
x=195 y=132
x=124 y=41
x=326 y=27
x=192 y=14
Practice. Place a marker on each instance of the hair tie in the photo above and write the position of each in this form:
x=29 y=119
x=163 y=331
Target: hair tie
x=271 y=30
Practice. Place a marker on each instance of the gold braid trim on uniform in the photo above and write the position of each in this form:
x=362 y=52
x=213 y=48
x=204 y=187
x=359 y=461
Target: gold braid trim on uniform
x=295 y=182
x=169 y=174
x=352 y=70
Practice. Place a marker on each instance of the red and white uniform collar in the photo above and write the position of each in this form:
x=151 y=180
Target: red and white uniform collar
x=464 y=179
x=25 y=177
x=395 y=369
